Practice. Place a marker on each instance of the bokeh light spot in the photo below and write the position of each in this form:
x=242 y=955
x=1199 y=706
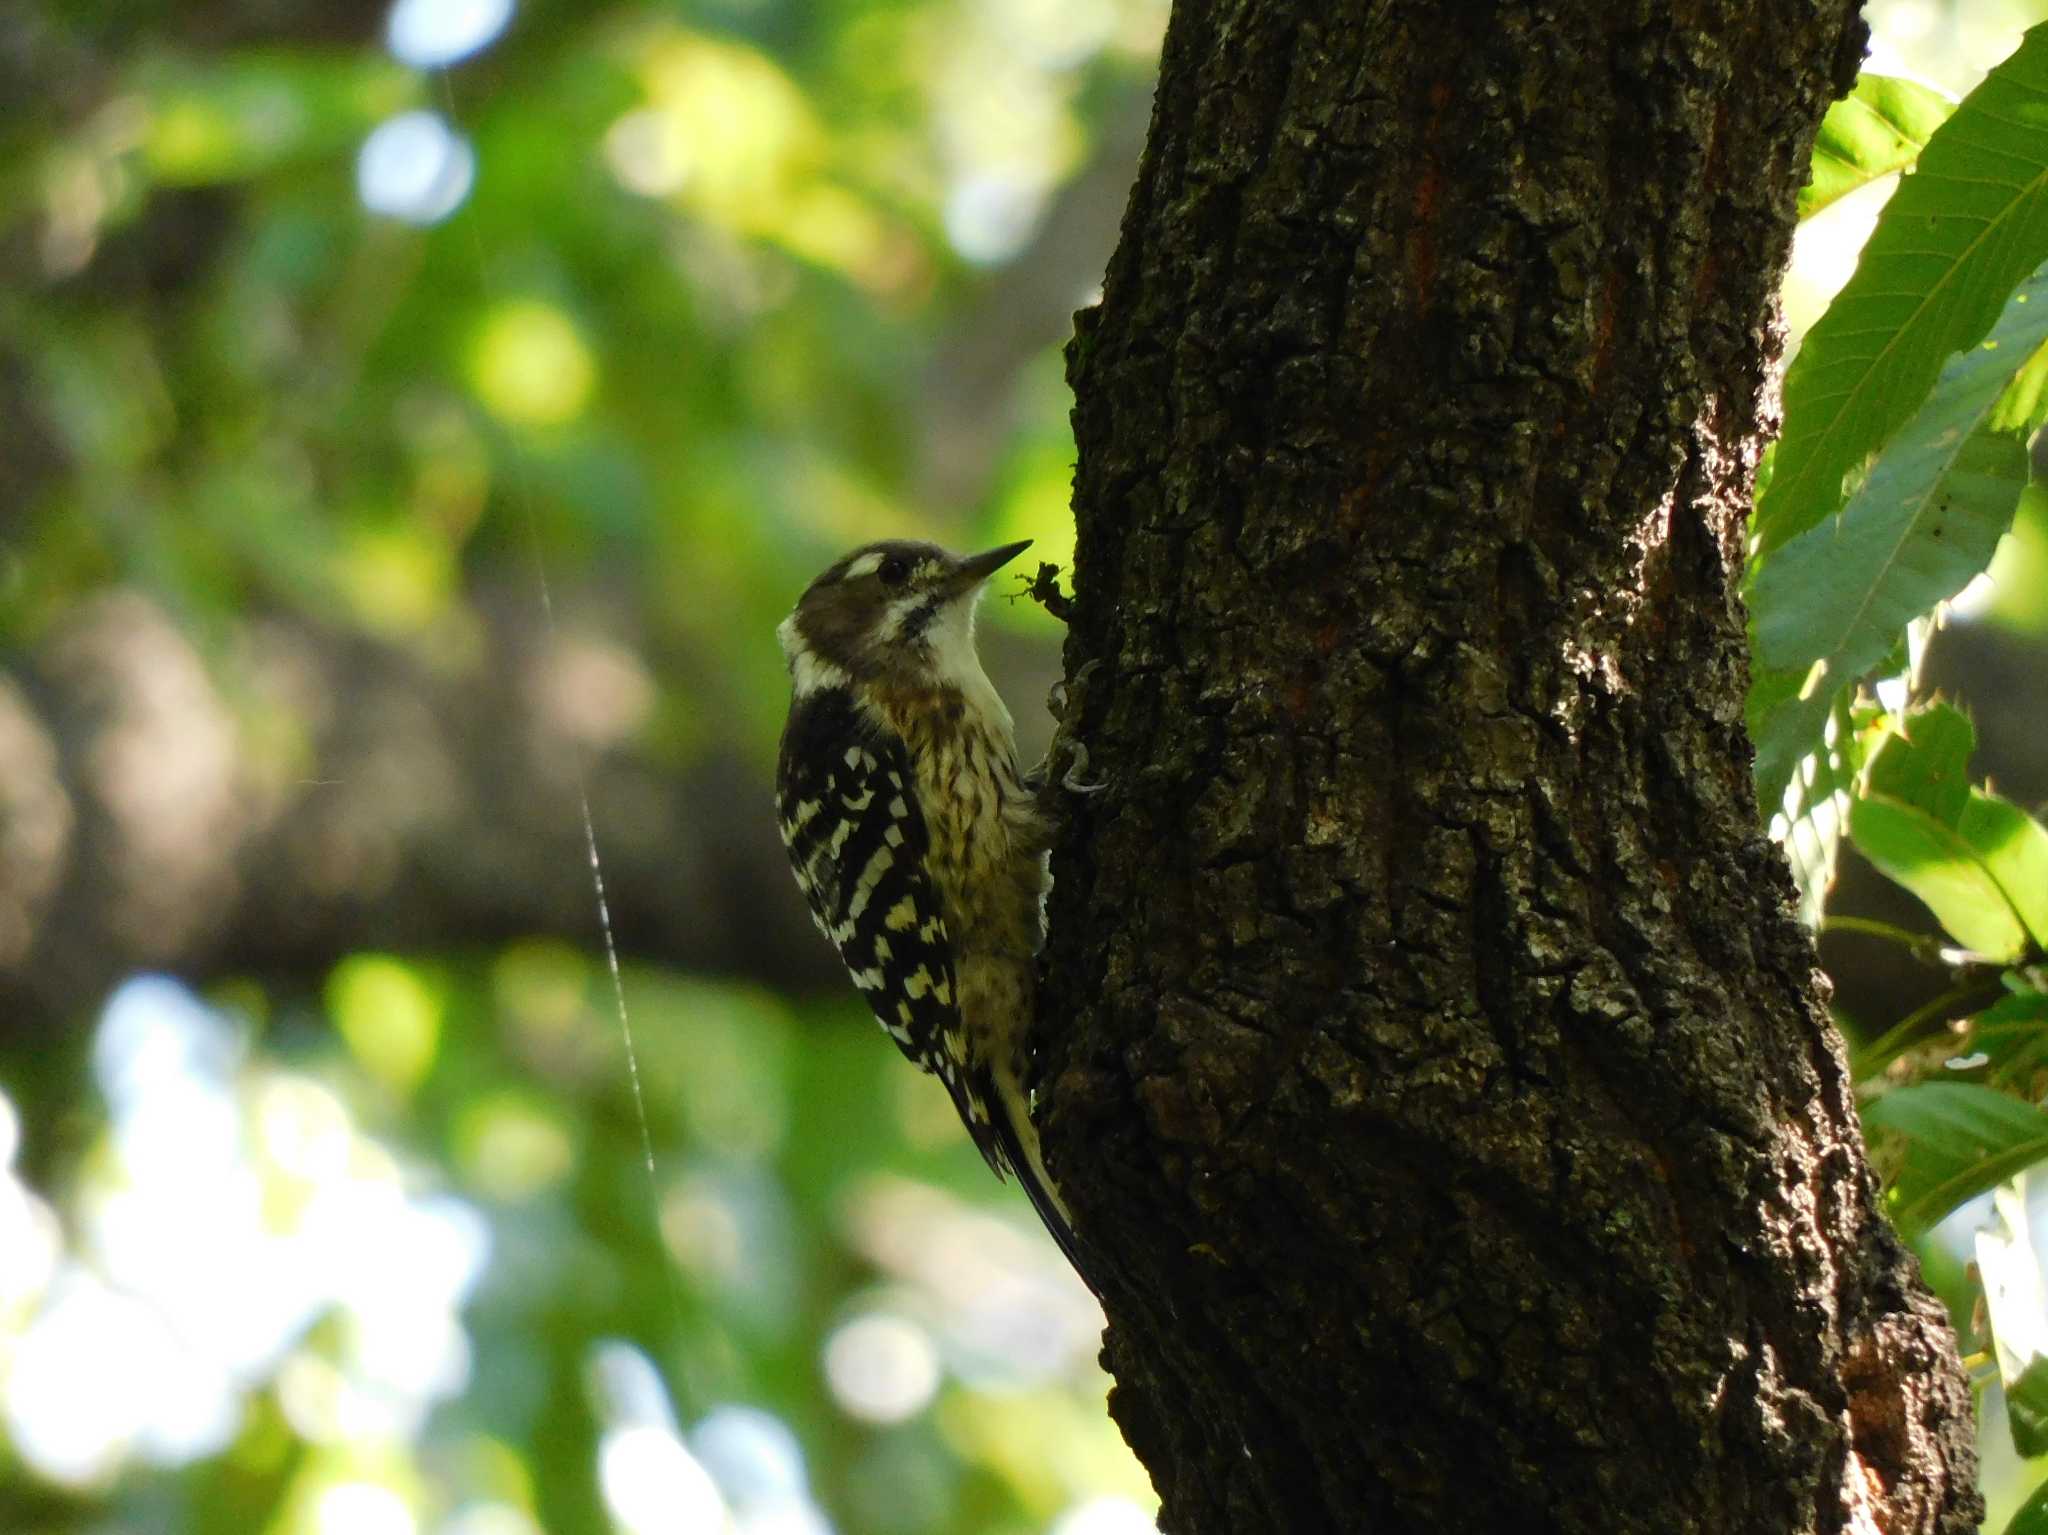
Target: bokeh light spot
x=882 y=1369
x=490 y=1519
x=530 y=366
x=512 y=1146
x=990 y=216
x=752 y=1454
x=362 y=1508
x=431 y=34
x=415 y=168
x=653 y=1484
x=389 y=1016
x=31 y=1243
x=649 y=151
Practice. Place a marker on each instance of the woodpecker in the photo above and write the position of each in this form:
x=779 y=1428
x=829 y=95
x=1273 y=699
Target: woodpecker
x=918 y=842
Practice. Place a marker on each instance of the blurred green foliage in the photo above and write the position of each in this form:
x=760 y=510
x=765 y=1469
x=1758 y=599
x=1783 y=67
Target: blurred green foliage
x=307 y=316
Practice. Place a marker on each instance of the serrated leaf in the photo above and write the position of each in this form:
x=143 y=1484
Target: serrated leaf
x=1786 y=726
x=1925 y=762
x=2013 y=848
x=1924 y=524
x=1933 y=861
x=1953 y=242
x=1961 y=1139
x=1879 y=127
x=1816 y=810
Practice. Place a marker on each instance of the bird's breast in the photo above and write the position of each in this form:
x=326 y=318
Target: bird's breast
x=985 y=856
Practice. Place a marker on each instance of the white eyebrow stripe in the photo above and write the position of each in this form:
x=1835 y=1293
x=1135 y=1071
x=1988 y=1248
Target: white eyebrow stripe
x=866 y=565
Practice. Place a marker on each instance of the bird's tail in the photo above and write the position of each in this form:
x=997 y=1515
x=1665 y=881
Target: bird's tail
x=1017 y=1139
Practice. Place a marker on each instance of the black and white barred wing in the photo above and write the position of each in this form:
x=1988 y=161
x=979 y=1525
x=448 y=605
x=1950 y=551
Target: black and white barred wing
x=858 y=844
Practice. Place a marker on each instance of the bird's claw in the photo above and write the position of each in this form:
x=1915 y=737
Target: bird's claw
x=1056 y=700
x=1056 y=703
x=1072 y=781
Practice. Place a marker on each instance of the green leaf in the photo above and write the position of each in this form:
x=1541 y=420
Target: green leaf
x=1830 y=603
x=1933 y=860
x=1961 y=1139
x=1816 y=807
x=1787 y=722
x=1979 y=861
x=2018 y=1310
x=2013 y=1033
x=1951 y=245
x=2032 y=1516
x=2024 y=406
x=1927 y=762
x=2026 y=1408
x=1879 y=127
x=2013 y=847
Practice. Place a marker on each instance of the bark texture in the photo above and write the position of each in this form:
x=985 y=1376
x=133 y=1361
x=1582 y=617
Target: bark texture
x=1442 y=1082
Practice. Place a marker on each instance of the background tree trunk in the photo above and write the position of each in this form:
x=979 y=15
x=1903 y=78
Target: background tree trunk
x=1440 y=1075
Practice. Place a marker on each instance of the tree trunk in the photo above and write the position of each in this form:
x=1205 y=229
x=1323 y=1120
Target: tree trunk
x=1440 y=1078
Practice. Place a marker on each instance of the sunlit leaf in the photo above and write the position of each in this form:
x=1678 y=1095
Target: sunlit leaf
x=2031 y=1518
x=1960 y=1140
x=2024 y=405
x=2017 y=1304
x=1921 y=823
x=1817 y=807
x=1926 y=764
x=1879 y=127
x=2013 y=848
x=1830 y=602
x=1933 y=860
x=2018 y=577
x=1951 y=245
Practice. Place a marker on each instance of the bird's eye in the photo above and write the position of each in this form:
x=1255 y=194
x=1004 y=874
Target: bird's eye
x=894 y=571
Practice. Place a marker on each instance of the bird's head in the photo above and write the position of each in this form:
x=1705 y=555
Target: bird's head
x=899 y=613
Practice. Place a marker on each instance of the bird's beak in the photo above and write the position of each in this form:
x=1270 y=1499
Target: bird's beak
x=977 y=568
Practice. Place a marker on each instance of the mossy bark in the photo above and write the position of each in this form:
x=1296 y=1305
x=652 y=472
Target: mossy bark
x=1441 y=1081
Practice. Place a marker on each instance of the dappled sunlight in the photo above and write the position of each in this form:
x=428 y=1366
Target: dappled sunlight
x=1004 y=1304
x=248 y=1261
x=235 y=1208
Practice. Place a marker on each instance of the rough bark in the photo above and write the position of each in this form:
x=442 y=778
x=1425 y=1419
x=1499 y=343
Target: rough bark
x=1440 y=1078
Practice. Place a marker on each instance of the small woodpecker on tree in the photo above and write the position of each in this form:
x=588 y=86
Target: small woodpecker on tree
x=918 y=841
